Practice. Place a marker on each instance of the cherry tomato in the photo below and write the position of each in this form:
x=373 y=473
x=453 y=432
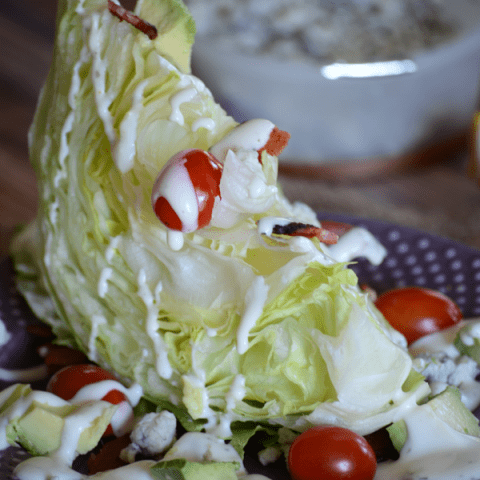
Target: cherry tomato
x=327 y=452
x=184 y=193
x=69 y=380
x=418 y=311
x=336 y=227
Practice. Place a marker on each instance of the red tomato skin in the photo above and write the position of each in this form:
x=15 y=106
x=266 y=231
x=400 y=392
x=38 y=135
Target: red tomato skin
x=417 y=311
x=328 y=452
x=69 y=380
x=205 y=172
x=167 y=215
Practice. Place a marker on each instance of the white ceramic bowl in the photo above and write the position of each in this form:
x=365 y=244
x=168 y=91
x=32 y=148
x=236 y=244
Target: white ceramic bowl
x=350 y=120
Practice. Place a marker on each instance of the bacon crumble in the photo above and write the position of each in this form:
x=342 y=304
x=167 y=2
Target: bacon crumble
x=124 y=14
x=296 y=229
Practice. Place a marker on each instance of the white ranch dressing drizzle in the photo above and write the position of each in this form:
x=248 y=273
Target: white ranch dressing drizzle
x=175 y=185
x=358 y=242
x=46 y=468
x=64 y=149
x=207 y=123
x=123 y=418
x=176 y=101
x=162 y=363
x=433 y=451
x=75 y=424
x=102 y=98
x=24 y=375
x=67 y=126
x=96 y=391
x=255 y=299
x=235 y=394
x=251 y=135
x=175 y=239
x=125 y=149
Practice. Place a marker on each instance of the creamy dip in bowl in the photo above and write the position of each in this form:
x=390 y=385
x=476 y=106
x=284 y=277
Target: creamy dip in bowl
x=369 y=103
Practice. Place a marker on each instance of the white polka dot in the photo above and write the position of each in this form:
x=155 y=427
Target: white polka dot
x=394 y=235
x=417 y=270
x=476 y=263
x=411 y=260
x=403 y=248
x=397 y=273
x=476 y=311
x=450 y=253
x=456 y=265
x=391 y=262
x=430 y=256
x=461 y=288
x=439 y=278
x=401 y=283
x=477 y=276
x=423 y=243
x=477 y=300
x=378 y=277
x=420 y=280
x=434 y=268
x=459 y=278
x=13 y=301
x=461 y=300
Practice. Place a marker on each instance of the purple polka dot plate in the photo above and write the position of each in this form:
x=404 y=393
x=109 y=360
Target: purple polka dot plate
x=414 y=258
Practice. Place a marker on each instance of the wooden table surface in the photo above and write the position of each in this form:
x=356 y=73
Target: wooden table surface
x=441 y=198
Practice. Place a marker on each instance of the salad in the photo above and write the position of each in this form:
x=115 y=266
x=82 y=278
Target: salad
x=211 y=311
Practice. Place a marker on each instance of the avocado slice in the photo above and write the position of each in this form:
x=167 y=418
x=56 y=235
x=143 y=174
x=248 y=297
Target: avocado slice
x=180 y=469
x=39 y=426
x=448 y=406
x=176 y=30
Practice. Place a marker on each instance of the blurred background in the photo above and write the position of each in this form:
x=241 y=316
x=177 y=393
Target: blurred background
x=426 y=187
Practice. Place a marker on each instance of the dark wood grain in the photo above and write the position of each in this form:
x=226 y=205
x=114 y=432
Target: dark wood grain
x=440 y=198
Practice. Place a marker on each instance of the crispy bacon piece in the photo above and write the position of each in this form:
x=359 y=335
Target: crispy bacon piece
x=295 y=229
x=108 y=457
x=276 y=143
x=339 y=228
x=124 y=14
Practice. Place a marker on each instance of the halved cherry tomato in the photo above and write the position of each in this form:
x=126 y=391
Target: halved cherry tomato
x=418 y=311
x=69 y=380
x=327 y=452
x=184 y=192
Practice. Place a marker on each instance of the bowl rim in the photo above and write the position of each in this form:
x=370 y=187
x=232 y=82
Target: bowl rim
x=436 y=58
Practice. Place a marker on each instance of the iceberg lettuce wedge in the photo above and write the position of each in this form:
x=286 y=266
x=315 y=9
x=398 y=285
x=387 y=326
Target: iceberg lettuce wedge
x=233 y=326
